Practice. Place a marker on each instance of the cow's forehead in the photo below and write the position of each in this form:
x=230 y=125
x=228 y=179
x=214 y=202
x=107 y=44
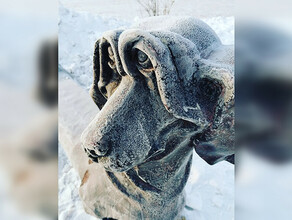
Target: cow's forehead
x=190 y=28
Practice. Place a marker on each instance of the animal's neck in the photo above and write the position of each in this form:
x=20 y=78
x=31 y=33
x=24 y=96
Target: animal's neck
x=170 y=173
x=158 y=183
x=152 y=190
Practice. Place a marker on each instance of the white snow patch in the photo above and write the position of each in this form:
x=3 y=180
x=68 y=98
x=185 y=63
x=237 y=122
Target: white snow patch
x=70 y=205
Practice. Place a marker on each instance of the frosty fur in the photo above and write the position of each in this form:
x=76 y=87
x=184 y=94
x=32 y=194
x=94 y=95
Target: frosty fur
x=153 y=114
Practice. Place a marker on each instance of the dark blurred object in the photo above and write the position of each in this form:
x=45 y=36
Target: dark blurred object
x=48 y=73
x=264 y=91
x=263 y=70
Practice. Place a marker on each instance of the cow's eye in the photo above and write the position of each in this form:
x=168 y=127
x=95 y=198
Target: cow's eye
x=143 y=60
x=142 y=57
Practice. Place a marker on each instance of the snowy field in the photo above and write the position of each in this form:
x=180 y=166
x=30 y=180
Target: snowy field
x=128 y=9
x=210 y=189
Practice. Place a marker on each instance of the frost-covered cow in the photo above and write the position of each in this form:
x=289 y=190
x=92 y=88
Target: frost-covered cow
x=164 y=87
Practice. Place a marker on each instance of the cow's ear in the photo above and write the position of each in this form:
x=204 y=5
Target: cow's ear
x=107 y=67
x=202 y=92
x=95 y=93
x=215 y=95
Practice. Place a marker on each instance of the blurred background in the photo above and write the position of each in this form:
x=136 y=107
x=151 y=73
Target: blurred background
x=28 y=97
x=28 y=109
x=263 y=82
x=129 y=9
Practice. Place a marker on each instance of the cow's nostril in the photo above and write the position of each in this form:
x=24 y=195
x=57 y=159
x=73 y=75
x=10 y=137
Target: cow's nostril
x=101 y=151
x=92 y=152
x=102 y=148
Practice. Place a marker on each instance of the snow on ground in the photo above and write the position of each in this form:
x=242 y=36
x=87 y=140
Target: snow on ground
x=129 y=9
x=210 y=189
x=70 y=205
x=78 y=33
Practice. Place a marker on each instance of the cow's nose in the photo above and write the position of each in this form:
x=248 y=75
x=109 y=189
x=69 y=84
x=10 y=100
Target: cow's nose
x=96 y=146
